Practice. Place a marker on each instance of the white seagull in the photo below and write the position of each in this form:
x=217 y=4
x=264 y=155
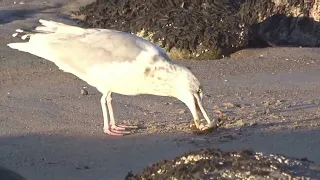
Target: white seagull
x=114 y=62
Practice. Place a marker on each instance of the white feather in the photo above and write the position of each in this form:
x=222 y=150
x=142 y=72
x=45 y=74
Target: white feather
x=19 y=30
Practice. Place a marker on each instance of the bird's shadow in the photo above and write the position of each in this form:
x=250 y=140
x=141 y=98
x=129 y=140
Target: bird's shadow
x=7 y=16
x=21 y=13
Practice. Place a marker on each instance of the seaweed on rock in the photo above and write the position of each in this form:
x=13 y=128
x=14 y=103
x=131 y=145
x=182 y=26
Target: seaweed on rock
x=217 y=164
x=187 y=29
x=208 y=29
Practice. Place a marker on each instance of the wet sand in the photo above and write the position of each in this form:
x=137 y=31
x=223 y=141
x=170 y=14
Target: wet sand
x=48 y=130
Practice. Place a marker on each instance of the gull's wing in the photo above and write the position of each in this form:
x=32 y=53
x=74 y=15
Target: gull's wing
x=74 y=49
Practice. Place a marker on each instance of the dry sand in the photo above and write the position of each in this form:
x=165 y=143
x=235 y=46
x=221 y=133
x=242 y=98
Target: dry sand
x=49 y=131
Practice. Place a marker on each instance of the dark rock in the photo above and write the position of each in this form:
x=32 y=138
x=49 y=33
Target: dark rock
x=281 y=30
x=216 y=164
x=185 y=28
x=281 y=22
x=7 y=174
x=209 y=29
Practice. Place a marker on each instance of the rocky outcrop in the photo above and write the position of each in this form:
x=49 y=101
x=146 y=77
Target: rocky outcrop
x=187 y=29
x=315 y=9
x=207 y=29
x=216 y=164
x=283 y=22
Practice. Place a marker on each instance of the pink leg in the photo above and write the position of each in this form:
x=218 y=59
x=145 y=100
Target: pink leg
x=112 y=120
x=106 y=126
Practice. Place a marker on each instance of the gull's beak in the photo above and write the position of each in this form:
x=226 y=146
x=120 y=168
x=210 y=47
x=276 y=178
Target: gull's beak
x=194 y=103
x=198 y=103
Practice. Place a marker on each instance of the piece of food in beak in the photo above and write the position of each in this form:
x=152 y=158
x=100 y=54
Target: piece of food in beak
x=194 y=103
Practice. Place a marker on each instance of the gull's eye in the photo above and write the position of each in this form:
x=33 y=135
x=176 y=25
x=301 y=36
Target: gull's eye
x=199 y=90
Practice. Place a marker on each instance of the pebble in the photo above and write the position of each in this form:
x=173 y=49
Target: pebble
x=278 y=103
x=182 y=111
x=84 y=167
x=229 y=105
x=216 y=107
x=240 y=123
x=253 y=124
x=266 y=103
x=84 y=92
x=267 y=111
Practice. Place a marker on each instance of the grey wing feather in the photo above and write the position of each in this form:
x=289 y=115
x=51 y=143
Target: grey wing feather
x=82 y=51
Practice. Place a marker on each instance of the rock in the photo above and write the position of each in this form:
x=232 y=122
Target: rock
x=84 y=92
x=186 y=29
x=266 y=103
x=7 y=174
x=217 y=164
x=204 y=30
x=241 y=123
x=266 y=111
x=229 y=105
x=302 y=31
x=282 y=22
x=181 y=111
x=278 y=103
x=253 y=124
x=215 y=107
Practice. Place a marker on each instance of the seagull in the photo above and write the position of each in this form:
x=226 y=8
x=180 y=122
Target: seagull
x=114 y=62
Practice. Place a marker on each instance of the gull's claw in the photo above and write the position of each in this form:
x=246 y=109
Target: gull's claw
x=211 y=125
x=118 y=130
x=115 y=131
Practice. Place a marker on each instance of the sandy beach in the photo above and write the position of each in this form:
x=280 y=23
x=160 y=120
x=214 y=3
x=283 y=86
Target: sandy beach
x=48 y=130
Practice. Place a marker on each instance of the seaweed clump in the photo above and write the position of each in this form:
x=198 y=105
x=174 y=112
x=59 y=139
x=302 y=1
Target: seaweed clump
x=216 y=164
x=187 y=29
x=209 y=29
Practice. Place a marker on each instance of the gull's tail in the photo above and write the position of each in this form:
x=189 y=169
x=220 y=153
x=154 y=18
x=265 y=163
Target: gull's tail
x=25 y=34
x=47 y=27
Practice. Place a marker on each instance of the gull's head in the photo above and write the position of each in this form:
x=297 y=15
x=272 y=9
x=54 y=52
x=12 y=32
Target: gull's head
x=170 y=79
